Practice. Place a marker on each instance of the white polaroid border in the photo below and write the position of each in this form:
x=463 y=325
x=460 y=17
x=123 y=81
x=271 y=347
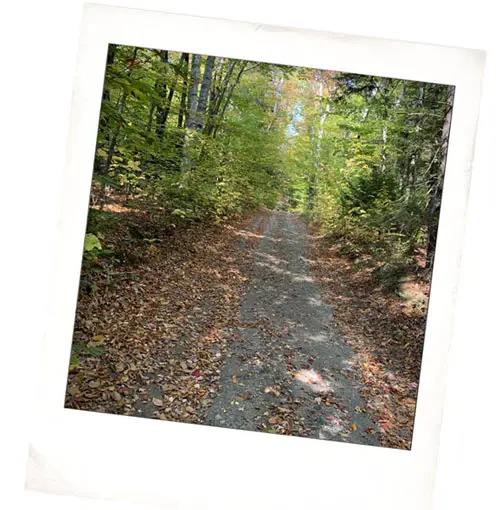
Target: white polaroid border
x=186 y=466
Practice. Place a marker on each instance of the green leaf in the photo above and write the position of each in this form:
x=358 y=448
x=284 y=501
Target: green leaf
x=91 y=242
x=74 y=362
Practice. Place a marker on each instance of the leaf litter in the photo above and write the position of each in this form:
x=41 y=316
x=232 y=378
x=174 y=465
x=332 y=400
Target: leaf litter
x=386 y=333
x=161 y=324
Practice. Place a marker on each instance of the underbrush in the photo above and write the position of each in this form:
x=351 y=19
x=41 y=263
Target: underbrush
x=390 y=256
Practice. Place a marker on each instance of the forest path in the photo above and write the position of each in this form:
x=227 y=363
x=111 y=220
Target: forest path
x=288 y=371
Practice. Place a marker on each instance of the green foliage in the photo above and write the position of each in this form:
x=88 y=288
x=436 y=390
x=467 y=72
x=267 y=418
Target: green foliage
x=358 y=155
x=196 y=174
x=362 y=166
x=91 y=243
x=80 y=350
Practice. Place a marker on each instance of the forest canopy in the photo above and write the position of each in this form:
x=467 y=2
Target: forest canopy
x=203 y=138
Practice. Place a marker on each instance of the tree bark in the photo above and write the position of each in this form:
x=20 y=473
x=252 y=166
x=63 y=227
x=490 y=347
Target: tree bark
x=161 y=110
x=119 y=122
x=182 y=106
x=436 y=182
x=206 y=84
x=193 y=91
x=104 y=121
x=109 y=61
x=276 y=103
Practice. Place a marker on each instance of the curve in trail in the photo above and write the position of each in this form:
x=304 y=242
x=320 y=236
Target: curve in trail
x=288 y=369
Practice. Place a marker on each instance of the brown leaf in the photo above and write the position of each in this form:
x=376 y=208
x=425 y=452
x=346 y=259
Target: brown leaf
x=270 y=389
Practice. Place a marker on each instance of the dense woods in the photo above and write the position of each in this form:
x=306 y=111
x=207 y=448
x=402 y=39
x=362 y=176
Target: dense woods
x=197 y=157
x=207 y=137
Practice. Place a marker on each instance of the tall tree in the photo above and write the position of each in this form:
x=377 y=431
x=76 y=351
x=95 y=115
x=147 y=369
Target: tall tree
x=120 y=110
x=161 y=110
x=194 y=83
x=436 y=180
x=182 y=107
x=206 y=84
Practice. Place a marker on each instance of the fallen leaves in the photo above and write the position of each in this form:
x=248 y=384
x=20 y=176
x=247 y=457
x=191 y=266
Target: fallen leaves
x=158 y=317
x=270 y=389
x=386 y=334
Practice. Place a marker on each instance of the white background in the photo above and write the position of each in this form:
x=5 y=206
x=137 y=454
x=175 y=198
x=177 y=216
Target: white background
x=37 y=72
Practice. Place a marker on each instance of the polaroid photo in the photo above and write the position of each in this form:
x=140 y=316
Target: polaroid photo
x=258 y=250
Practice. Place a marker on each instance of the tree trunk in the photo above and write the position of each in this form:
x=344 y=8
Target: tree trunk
x=193 y=91
x=276 y=103
x=114 y=134
x=150 y=117
x=109 y=61
x=182 y=106
x=228 y=99
x=436 y=183
x=206 y=84
x=119 y=122
x=192 y=105
x=161 y=110
x=218 y=97
x=383 y=86
x=103 y=120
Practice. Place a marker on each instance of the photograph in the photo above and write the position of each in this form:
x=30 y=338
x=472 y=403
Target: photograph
x=259 y=246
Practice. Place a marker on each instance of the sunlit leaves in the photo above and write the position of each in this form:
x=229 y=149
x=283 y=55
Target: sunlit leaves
x=91 y=242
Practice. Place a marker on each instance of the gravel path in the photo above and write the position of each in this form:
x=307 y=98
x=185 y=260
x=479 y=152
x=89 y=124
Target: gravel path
x=288 y=371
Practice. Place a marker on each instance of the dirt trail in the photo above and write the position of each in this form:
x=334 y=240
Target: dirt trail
x=288 y=371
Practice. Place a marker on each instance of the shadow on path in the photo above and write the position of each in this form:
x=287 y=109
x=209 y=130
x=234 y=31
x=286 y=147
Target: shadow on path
x=288 y=370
